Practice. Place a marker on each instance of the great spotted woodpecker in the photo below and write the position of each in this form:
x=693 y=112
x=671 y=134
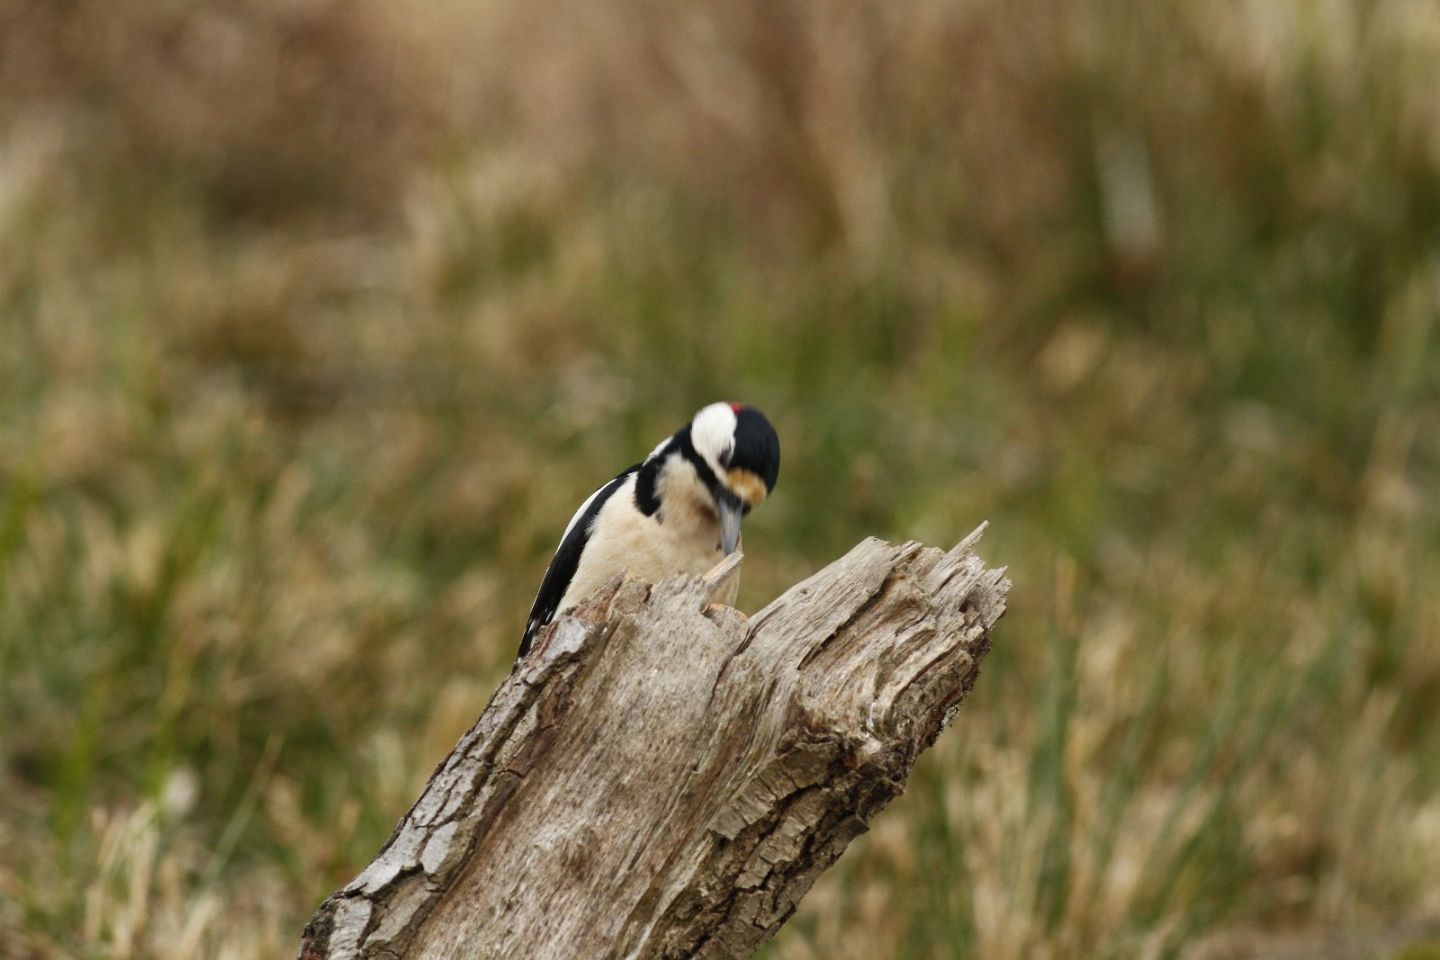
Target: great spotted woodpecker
x=677 y=511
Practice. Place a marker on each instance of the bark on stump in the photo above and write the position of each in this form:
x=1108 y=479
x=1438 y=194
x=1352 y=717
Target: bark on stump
x=663 y=777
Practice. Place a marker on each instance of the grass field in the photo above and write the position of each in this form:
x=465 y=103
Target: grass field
x=317 y=320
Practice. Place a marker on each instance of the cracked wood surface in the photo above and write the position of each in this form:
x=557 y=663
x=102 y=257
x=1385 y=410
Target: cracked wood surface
x=662 y=777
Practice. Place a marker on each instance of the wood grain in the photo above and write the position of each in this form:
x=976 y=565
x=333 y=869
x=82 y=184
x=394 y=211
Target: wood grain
x=663 y=777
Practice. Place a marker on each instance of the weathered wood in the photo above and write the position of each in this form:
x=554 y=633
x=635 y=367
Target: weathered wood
x=662 y=777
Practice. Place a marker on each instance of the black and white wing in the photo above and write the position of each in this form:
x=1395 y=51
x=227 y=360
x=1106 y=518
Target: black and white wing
x=567 y=560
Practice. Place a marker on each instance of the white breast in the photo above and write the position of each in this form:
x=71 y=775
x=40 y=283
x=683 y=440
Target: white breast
x=624 y=539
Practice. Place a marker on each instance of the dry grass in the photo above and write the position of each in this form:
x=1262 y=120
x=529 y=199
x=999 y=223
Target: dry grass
x=298 y=299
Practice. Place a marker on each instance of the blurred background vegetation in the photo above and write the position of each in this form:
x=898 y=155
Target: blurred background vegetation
x=318 y=317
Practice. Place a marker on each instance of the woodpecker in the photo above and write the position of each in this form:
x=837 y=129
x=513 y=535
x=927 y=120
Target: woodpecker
x=677 y=511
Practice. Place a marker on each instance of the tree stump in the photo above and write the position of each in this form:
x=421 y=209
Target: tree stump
x=663 y=777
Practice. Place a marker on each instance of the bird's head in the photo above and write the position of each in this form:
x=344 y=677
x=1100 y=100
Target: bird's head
x=724 y=461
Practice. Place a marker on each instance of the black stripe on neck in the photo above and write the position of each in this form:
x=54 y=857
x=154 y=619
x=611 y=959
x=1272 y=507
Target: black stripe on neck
x=647 y=481
x=647 y=494
x=687 y=449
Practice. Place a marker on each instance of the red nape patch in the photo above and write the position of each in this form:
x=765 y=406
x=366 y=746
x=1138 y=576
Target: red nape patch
x=737 y=407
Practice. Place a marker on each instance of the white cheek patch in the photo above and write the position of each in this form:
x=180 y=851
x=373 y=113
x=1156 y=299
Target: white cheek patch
x=747 y=485
x=713 y=433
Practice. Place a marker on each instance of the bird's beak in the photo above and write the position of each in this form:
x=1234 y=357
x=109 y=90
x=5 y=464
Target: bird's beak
x=731 y=513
